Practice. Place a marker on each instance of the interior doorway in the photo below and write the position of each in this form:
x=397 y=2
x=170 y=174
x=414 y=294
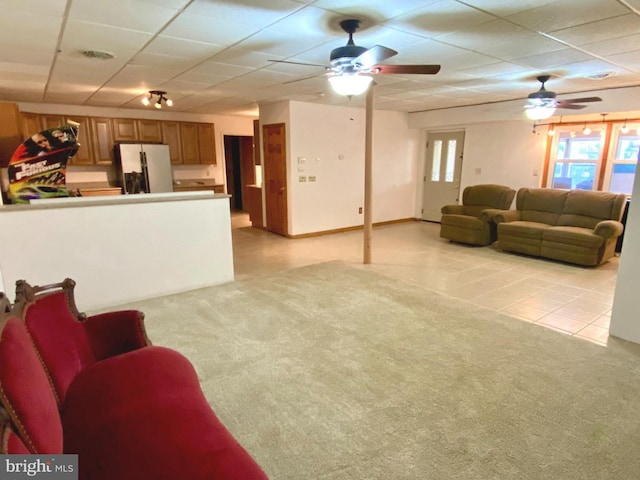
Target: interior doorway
x=443 y=168
x=239 y=169
x=274 y=170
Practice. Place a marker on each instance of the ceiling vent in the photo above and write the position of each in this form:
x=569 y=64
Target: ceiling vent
x=600 y=76
x=97 y=54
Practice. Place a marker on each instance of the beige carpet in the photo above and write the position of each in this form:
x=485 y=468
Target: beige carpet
x=336 y=372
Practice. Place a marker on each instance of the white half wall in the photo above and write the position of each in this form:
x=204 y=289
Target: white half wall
x=118 y=249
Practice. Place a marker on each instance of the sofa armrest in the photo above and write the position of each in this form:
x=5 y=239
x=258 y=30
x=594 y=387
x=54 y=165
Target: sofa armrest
x=489 y=214
x=608 y=229
x=452 y=210
x=113 y=333
x=507 y=216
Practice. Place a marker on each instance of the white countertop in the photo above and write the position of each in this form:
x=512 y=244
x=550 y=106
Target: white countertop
x=73 y=202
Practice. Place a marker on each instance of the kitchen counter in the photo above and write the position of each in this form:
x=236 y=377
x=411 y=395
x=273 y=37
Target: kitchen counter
x=124 y=248
x=197 y=185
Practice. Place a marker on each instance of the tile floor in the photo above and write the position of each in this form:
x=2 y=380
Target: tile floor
x=570 y=299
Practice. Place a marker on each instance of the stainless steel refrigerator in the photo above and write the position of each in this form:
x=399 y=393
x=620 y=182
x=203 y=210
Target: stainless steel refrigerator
x=144 y=167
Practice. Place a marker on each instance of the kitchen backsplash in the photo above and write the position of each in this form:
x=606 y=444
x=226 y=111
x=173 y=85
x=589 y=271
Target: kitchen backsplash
x=108 y=174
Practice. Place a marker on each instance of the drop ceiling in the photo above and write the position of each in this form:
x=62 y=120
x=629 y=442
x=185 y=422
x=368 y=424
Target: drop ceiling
x=213 y=56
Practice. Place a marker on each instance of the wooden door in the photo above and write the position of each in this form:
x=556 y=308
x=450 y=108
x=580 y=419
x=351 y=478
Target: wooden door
x=275 y=177
x=84 y=155
x=189 y=139
x=206 y=143
x=247 y=170
x=149 y=131
x=442 y=173
x=125 y=130
x=171 y=136
x=102 y=140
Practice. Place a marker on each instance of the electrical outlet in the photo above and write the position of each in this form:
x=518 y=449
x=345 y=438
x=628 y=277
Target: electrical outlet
x=359 y=209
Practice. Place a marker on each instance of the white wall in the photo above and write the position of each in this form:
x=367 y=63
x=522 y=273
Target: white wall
x=224 y=125
x=330 y=140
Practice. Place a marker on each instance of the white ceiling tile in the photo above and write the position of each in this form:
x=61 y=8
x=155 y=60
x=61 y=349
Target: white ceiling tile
x=173 y=65
x=613 y=46
x=493 y=69
x=532 y=44
x=378 y=10
x=218 y=69
x=486 y=35
x=503 y=8
x=441 y=18
x=567 y=13
x=35 y=8
x=599 y=31
x=251 y=13
x=40 y=36
x=243 y=57
x=87 y=36
x=201 y=28
x=553 y=59
x=177 y=47
x=129 y=14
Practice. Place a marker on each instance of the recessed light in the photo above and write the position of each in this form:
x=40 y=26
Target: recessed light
x=98 y=54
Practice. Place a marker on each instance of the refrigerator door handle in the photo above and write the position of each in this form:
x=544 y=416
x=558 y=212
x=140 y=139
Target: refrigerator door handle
x=145 y=171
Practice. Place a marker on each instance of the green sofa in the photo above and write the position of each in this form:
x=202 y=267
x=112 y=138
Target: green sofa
x=574 y=226
x=471 y=222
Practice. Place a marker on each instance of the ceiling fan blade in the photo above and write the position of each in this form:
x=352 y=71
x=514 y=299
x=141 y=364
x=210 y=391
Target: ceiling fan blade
x=374 y=55
x=570 y=106
x=299 y=63
x=582 y=100
x=407 y=69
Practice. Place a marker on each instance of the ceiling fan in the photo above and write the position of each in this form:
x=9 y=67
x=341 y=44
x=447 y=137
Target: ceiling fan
x=542 y=104
x=356 y=62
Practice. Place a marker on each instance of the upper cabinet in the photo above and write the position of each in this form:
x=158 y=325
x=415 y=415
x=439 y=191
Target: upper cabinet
x=198 y=143
x=10 y=131
x=149 y=131
x=190 y=143
x=171 y=136
x=131 y=130
x=206 y=143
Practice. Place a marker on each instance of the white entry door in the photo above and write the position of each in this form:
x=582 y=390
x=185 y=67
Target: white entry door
x=442 y=173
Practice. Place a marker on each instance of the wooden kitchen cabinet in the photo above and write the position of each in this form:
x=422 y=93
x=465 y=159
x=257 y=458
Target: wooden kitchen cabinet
x=171 y=136
x=125 y=130
x=52 y=121
x=189 y=143
x=31 y=124
x=102 y=140
x=10 y=131
x=149 y=131
x=206 y=143
x=84 y=155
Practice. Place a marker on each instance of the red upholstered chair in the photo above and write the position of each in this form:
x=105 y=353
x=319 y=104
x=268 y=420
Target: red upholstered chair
x=130 y=410
x=25 y=391
x=10 y=442
x=69 y=341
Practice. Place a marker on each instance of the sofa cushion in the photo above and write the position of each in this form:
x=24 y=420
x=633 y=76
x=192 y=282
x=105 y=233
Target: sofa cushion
x=25 y=391
x=541 y=205
x=522 y=229
x=585 y=208
x=583 y=237
x=10 y=443
x=59 y=338
x=488 y=196
x=142 y=415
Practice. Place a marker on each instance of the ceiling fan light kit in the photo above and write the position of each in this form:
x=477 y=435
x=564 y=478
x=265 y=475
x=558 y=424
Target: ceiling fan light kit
x=543 y=103
x=350 y=84
x=161 y=97
x=351 y=66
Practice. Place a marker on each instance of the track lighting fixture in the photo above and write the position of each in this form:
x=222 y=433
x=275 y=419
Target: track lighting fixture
x=624 y=128
x=158 y=101
x=586 y=130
